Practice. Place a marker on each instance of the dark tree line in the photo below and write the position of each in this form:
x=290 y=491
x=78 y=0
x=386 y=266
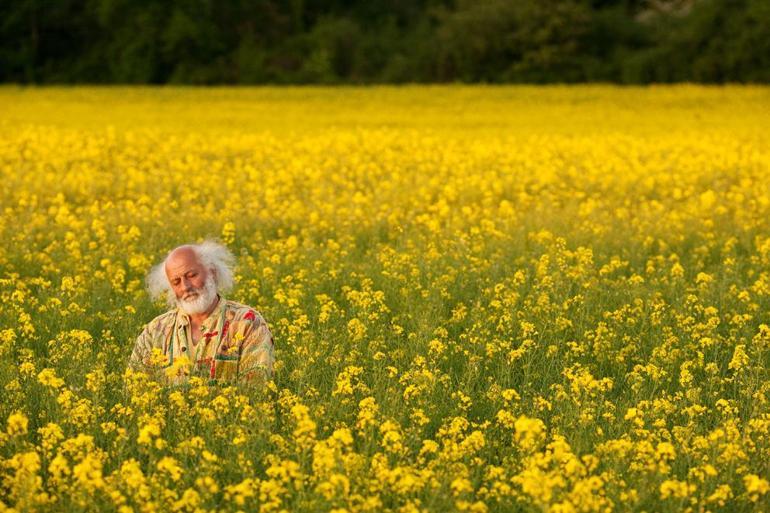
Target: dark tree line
x=383 y=41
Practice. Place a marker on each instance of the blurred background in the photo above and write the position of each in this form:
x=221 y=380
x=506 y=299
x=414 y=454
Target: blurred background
x=384 y=41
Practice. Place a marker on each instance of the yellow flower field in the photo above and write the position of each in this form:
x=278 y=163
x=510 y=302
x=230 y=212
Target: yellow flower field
x=483 y=298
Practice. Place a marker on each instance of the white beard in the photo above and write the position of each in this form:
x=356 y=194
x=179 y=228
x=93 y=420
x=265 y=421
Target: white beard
x=206 y=296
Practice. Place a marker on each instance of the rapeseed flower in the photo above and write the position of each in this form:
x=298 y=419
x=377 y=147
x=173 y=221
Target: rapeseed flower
x=553 y=301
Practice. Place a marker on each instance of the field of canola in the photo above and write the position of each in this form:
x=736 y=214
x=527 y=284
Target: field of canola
x=483 y=298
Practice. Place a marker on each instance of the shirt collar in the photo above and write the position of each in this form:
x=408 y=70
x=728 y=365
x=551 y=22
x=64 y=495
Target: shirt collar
x=209 y=323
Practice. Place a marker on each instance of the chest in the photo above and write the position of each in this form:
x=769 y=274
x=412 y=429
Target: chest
x=211 y=353
x=196 y=332
x=197 y=342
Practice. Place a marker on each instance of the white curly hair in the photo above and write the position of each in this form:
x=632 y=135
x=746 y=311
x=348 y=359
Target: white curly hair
x=212 y=255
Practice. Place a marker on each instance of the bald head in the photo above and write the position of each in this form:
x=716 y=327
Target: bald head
x=180 y=259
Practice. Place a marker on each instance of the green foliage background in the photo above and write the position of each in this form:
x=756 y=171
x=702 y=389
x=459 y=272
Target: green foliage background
x=379 y=41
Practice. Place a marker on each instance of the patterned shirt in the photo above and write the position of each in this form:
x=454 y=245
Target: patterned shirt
x=236 y=346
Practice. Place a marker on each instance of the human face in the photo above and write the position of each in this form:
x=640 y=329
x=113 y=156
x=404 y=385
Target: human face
x=192 y=284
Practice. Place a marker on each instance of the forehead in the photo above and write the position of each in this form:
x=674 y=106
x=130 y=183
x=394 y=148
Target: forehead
x=181 y=261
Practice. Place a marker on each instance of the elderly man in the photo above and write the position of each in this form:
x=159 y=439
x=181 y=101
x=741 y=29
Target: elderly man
x=204 y=334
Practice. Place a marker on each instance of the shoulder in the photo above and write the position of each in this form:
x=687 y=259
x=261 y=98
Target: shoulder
x=247 y=326
x=240 y=312
x=160 y=322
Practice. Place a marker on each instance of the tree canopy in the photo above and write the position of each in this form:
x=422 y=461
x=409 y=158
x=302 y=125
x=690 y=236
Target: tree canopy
x=384 y=41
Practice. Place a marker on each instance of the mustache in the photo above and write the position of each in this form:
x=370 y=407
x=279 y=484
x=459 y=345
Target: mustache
x=199 y=291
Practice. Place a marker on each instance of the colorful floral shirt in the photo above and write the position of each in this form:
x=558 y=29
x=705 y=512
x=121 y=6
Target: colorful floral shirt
x=236 y=346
